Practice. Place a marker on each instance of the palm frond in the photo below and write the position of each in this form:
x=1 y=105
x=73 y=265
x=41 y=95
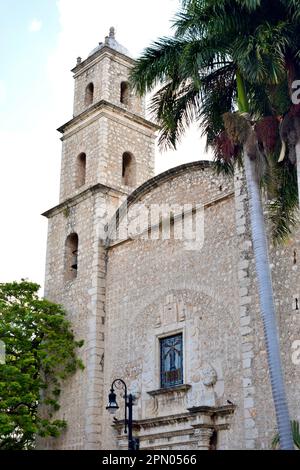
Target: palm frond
x=259 y=100
x=283 y=206
x=261 y=56
x=223 y=167
x=175 y=108
x=215 y=42
x=211 y=18
x=174 y=57
x=292 y=6
x=157 y=63
x=295 y=432
x=218 y=93
x=249 y=4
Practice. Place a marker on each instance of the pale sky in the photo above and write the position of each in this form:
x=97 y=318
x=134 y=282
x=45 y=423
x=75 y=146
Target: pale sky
x=40 y=41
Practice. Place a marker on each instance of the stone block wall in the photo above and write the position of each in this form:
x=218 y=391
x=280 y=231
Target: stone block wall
x=129 y=295
x=168 y=289
x=133 y=291
x=94 y=73
x=122 y=136
x=84 y=301
x=106 y=71
x=260 y=425
x=88 y=140
x=211 y=296
x=104 y=139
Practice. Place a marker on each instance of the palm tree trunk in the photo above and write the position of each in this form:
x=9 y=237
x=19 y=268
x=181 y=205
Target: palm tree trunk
x=260 y=246
x=298 y=168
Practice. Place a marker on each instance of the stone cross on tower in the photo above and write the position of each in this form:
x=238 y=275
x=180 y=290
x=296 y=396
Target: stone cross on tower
x=112 y=32
x=110 y=40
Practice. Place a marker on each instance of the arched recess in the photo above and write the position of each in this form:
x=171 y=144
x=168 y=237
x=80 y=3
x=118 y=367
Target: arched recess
x=125 y=93
x=71 y=257
x=80 y=170
x=89 y=94
x=128 y=169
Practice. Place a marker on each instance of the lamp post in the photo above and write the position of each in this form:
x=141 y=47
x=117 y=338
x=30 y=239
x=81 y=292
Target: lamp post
x=112 y=407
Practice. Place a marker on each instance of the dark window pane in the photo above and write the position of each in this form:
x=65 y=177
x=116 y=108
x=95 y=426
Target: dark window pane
x=171 y=370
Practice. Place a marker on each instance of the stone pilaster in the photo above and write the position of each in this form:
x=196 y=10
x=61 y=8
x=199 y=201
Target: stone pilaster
x=203 y=436
x=246 y=316
x=95 y=335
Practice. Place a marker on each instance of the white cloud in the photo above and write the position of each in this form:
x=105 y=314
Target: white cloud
x=35 y=26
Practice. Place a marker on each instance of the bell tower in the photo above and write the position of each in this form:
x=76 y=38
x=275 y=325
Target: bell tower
x=107 y=151
x=108 y=141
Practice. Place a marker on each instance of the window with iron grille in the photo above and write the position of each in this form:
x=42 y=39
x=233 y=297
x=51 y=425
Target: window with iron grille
x=171 y=363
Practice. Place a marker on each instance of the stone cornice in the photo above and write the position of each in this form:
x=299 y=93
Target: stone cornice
x=156 y=181
x=177 y=388
x=163 y=177
x=213 y=411
x=157 y=421
x=105 y=105
x=105 y=51
x=193 y=427
x=96 y=188
x=210 y=411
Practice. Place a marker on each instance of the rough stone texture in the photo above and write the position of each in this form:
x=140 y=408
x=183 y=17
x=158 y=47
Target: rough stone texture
x=171 y=289
x=106 y=69
x=103 y=133
x=259 y=411
x=83 y=298
x=131 y=291
x=104 y=138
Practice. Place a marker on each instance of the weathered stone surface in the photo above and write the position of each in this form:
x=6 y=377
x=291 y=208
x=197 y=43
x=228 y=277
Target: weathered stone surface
x=131 y=292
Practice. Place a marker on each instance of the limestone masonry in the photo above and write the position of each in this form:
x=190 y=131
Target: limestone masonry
x=127 y=293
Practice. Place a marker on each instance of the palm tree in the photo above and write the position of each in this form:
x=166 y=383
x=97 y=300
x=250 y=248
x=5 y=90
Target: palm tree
x=296 y=436
x=221 y=69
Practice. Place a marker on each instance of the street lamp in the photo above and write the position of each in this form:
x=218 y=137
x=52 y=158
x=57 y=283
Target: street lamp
x=112 y=407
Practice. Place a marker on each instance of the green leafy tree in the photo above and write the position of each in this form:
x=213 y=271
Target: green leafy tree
x=40 y=354
x=229 y=67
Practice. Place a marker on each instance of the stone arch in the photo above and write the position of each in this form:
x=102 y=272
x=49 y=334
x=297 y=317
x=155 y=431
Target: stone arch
x=125 y=93
x=71 y=257
x=142 y=191
x=128 y=169
x=80 y=170
x=89 y=94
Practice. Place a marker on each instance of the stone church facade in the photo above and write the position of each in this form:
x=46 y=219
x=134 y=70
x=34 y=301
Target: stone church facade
x=174 y=315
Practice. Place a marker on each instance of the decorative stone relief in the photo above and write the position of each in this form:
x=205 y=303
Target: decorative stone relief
x=208 y=375
x=181 y=312
x=192 y=429
x=172 y=311
x=208 y=378
x=203 y=436
x=219 y=385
